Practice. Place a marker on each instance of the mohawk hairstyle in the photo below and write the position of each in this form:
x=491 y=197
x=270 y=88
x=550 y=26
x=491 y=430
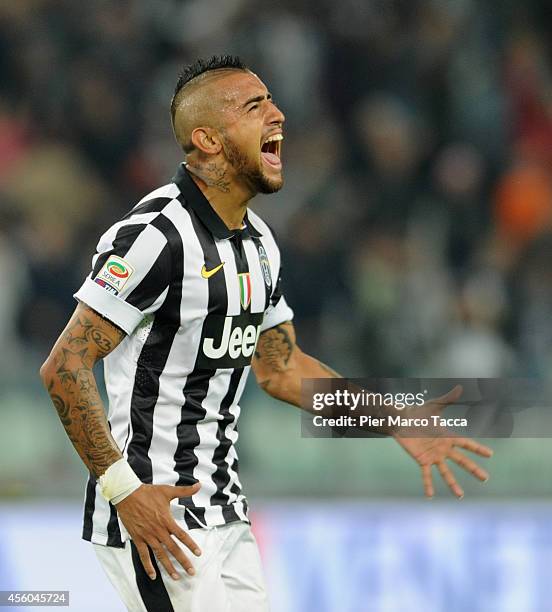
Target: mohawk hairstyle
x=201 y=66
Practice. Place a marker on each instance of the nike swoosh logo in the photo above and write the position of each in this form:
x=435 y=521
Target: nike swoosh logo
x=208 y=273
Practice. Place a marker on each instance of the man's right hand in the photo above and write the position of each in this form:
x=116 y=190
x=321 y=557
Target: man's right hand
x=147 y=517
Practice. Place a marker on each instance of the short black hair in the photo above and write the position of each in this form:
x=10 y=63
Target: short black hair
x=199 y=67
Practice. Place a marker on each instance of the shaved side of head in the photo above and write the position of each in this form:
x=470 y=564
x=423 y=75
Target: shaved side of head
x=198 y=100
x=200 y=103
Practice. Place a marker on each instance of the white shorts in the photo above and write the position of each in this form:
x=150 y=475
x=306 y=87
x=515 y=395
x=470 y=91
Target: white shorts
x=228 y=575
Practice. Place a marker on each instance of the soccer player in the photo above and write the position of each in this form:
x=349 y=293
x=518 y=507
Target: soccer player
x=184 y=298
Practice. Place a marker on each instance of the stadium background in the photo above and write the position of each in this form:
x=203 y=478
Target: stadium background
x=416 y=227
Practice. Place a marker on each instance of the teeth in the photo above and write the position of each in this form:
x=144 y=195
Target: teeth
x=275 y=138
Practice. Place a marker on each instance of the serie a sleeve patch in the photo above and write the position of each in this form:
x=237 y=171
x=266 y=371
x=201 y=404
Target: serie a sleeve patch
x=114 y=274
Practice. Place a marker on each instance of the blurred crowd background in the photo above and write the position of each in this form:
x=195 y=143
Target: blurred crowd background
x=416 y=231
x=415 y=222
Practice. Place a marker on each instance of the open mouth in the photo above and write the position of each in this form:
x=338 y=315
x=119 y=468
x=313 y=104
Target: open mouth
x=271 y=150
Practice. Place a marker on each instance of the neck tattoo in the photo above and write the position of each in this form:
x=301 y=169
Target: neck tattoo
x=212 y=174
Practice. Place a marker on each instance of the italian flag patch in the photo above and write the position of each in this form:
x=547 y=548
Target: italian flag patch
x=245 y=289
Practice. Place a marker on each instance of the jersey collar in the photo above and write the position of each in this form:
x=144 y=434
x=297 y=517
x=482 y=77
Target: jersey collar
x=195 y=198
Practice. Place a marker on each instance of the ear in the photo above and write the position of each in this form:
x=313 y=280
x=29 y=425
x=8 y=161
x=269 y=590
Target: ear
x=206 y=140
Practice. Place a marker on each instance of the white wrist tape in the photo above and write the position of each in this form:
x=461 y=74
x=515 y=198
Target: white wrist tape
x=118 y=481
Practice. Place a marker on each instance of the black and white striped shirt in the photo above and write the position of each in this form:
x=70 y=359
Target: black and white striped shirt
x=193 y=297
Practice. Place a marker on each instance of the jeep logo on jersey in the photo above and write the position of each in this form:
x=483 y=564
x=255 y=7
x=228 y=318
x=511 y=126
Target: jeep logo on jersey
x=229 y=342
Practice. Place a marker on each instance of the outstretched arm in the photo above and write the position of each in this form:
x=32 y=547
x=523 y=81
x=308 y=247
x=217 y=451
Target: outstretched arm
x=68 y=375
x=280 y=366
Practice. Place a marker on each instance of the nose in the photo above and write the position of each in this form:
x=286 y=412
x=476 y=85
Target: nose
x=275 y=115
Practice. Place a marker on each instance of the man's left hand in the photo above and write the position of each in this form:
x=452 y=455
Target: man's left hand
x=435 y=450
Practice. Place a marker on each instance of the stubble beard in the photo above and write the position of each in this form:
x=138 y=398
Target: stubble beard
x=250 y=171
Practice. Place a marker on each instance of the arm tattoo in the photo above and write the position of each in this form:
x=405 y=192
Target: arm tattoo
x=73 y=390
x=274 y=348
x=280 y=366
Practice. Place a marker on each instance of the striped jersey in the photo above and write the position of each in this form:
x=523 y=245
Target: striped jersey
x=193 y=297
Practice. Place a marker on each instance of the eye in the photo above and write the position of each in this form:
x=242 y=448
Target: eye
x=253 y=107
